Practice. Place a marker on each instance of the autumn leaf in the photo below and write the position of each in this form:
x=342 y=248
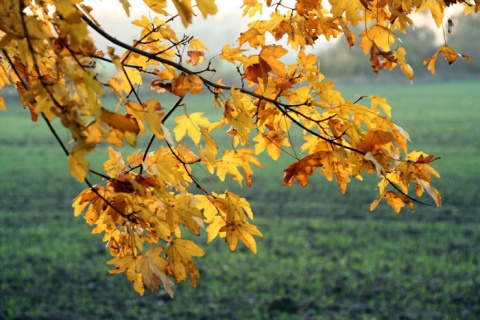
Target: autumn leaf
x=123 y=123
x=302 y=168
x=450 y=55
x=128 y=265
x=190 y=125
x=126 y=6
x=195 y=57
x=241 y=230
x=395 y=200
x=2 y=104
x=187 y=83
x=273 y=141
x=180 y=253
x=207 y=7
x=348 y=7
x=157 y=6
x=77 y=162
x=379 y=36
x=153 y=269
x=270 y=55
x=232 y=159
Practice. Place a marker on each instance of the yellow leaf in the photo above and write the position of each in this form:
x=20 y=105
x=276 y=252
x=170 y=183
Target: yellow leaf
x=126 y=6
x=123 y=123
x=382 y=102
x=210 y=150
x=128 y=265
x=190 y=125
x=404 y=66
x=349 y=7
x=2 y=104
x=237 y=158
x=76 y=160
x=207 y=7
x=157 y=6
x=233 y=54
x=153 y=269
x=395 y=200
x=185 y=83
x=241 y=230
x=180 y=253
x=270 y=55
x=431 y=191
x=184 y=8
x=214 y=227
x=450 y=55
x=251 y=7
x=381 y=36
x=273 y=141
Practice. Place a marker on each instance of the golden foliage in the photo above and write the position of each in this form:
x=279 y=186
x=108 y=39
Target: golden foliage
x=143 y=203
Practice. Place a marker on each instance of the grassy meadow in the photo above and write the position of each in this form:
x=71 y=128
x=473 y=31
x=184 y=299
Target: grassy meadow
x=323 y=255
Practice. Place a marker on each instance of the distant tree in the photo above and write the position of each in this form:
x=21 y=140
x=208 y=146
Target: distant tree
x=143 y=200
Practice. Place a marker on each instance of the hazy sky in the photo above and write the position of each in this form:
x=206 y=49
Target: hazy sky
x=216 y=31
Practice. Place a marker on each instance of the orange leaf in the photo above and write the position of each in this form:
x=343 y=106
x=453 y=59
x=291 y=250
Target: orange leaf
x=185 y=83
x=395 y=200
x=122 y=123
x=450 y=55
x=303 y=168
x=195 y=57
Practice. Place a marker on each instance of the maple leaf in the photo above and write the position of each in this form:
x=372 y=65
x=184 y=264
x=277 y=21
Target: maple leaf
x=242 y=230
x=195 y=57
x=374 y=138
x=157 y=6
x=190 y=124
x=128 y=265
x=237 y=158
x=349 y=7
x=123 y=123
x=269 y=56
x=303 y=168
x=153 y=269
x=233 y=54
x=377 y=35
x=2 y=104
x=207 y=7
x=210 y=151
x=77 y=163
x=187 y=83
x=450 y=55
x=272 y=141
x=395 y=200
x=126 y=6
x=180 y=253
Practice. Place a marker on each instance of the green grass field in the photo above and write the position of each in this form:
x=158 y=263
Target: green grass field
x=323 y=255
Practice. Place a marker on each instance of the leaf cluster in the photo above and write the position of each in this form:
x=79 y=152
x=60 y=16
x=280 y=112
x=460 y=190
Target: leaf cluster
x=144 y=203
